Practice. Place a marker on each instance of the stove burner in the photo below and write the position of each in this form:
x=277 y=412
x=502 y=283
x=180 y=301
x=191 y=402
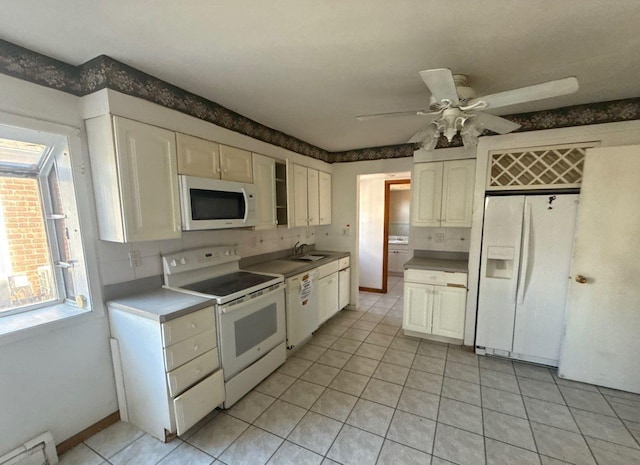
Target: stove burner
x=228 y=283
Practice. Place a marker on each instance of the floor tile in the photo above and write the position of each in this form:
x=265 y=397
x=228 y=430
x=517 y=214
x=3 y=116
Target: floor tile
x=292 y=454
x=385 y=329
x=502 y=401
x=371 y=351
x=218 y=434
x=603 y=427
x=336 y=331
x=574 y=384
x=320 y=374
x=379 y=339
x=315 y=432
x=393 y=453
x=146 y=450
x=550 y=414
x=419 y=403
x=404 y=344
x=462 y=372
x=354 y=446
x=499 y=380
x=356 y=334
x=323 y=340
x=462 y=356
x=334 y=358
x=540 y=390
x=346 y=345
x=335 y=404
x=361 y=365
x=424 y=381
x=626 y=411
x=497 y=364
x=392 y=373
x=458 y=446
x=398 y=357
x=351 y=383
x=512 y=430
x=540 y=373
x=114 y=438
x=412 y=430
x=461 y=390
x=310 y=352
x=371 y=417
x=364 y=325
x=251 y=406
x=275 y=384
x=294 y=366
x=618 y=394
x=585 y=400
x=607 y=453
x=82 y=455
x=302 y=393
x=382 y=392
x=280 y=418
x=186 y=454
x=460 y=415
x=562 y=445
x=499 y=453
x=433 y=349
x=429 y=364
x=253 y=447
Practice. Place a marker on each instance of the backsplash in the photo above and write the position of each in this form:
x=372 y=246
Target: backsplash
x=115 y=264
x=441 y=239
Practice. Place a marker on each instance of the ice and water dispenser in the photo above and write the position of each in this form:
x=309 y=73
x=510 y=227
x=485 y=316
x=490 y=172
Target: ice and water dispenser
x=500 y=262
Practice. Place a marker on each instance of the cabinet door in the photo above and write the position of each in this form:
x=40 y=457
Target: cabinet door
x=264 y=169
x=325 y=198
x=344 y=288
x=313 y=197
x=427 y=194
x=418 y=304
x=148 y=175
x=457 y=193
x=198 y=157
x=236 y=164
x=300 y=211
x=328 y=297
x=448 y=311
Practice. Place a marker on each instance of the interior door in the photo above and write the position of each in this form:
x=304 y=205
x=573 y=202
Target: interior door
x=602 y=342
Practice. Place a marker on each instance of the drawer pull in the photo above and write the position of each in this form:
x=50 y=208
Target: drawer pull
x=198 y=370
x=194 y=326
x=196 y=347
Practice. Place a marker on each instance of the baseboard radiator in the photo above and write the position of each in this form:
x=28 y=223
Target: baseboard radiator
x=40 y=450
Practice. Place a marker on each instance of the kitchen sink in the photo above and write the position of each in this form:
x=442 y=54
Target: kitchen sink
x=310 y=257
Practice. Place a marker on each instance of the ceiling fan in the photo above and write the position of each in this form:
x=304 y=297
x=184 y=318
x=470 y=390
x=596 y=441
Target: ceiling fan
x=455 y=108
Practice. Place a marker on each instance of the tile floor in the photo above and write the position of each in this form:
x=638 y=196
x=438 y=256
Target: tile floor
x=359 y=393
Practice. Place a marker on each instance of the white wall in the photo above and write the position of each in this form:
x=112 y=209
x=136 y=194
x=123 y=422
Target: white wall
x=371 y=232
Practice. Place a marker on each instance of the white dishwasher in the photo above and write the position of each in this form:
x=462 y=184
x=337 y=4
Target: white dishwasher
x=302 y=306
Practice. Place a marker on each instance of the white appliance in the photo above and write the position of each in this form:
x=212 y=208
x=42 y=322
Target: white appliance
x=250 y=310
x=302 y=307
x=215 y=204
x=526 y=256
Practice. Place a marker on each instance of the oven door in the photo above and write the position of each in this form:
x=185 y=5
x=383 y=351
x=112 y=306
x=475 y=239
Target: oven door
x=249 y=330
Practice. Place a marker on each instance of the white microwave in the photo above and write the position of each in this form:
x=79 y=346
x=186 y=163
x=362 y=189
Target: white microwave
x=214 y=204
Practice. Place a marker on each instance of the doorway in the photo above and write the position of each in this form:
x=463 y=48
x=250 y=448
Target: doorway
x=397 y=202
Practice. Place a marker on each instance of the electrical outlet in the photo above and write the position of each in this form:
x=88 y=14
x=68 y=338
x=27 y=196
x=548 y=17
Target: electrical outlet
x=346 y=231
x=439 y=238
x=135 y=259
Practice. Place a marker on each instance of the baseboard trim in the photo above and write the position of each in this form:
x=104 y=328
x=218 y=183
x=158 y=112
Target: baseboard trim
x=371 y=289
x=86 y=433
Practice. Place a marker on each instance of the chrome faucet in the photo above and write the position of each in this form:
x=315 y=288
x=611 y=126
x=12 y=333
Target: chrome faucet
x=299 y=250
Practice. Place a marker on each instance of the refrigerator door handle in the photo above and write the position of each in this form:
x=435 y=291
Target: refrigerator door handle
x=524 y=265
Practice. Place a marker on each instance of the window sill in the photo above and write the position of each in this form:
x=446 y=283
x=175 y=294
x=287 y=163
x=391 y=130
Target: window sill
x=13 y=327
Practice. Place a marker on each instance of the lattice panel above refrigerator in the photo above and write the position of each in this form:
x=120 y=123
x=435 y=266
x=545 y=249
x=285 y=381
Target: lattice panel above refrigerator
x=553 y=167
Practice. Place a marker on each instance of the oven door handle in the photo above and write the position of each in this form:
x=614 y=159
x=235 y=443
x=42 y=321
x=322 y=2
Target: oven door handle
x=227 y=308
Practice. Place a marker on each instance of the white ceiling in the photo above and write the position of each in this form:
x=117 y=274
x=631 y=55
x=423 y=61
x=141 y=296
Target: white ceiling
x=307 y=67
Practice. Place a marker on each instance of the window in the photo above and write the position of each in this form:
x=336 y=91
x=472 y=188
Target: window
x=41 y=255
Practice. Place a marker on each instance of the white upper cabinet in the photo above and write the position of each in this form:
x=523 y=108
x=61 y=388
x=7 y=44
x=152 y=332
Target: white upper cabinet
x=198 y=157
x=325 y=197
x=264 y=172
x=443 y=193
x=135 y=179
x=313 y=197
x=235 y=164
x=297 y=194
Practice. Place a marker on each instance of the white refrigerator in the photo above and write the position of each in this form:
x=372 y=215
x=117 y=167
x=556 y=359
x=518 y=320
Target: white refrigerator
x=527 y=246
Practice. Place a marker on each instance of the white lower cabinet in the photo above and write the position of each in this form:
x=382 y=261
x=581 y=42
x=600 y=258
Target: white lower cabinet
x=344 y=287
x=328 y=296
x=434 y=303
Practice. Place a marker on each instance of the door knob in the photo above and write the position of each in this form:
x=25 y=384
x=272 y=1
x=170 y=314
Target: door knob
x=581 y=279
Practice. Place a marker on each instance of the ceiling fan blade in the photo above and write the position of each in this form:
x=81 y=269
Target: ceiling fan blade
x=494 y=123
x=396 y=113
x=441 y=84
x=545 y=90
x=426 y=132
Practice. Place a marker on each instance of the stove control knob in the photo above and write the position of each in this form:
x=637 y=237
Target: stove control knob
x=227 y=253
x=183 y=261
x=173 y=263
x=235 y=252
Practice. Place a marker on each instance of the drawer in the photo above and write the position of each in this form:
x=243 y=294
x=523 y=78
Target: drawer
x=343 y=263
x=329 y=268
x=180 y=353
x=437 y=278
x=456 y=279
x=197 y=402
x=186 y=326
x=191 y=372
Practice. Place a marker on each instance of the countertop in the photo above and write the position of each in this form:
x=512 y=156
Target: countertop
x=457 y=262
x=288 y=267
x=161 y=304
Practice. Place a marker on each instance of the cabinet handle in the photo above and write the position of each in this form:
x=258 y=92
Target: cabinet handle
x=196 y=347
x=194 y=326
x=218 y=170
x=198 y=371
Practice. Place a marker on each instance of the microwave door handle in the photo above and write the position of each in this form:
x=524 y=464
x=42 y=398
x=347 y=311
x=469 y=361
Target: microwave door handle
x=246 y=205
